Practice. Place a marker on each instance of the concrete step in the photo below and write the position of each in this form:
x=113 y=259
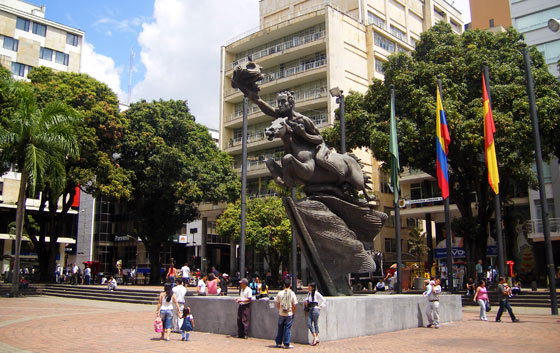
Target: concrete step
x=135 y=296
x=98 y=297
x=109 y=295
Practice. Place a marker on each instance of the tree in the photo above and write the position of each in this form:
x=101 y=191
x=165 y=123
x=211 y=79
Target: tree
x=417 y=243
x=175 y=165
x=458 y=60
x=95 y=171
x=267 y=229
x=36 y=142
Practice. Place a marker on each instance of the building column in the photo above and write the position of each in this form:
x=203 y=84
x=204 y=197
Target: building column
x=7 y=251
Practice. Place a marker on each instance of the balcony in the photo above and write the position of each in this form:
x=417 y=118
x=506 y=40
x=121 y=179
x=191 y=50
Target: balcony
x=535 y=230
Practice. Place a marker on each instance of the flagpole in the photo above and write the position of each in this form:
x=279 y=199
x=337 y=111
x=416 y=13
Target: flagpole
x=448 y=243
x=542 y=191
x=497 y=203
x=396 y=202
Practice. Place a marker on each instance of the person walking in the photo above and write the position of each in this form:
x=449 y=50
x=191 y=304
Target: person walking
x=504 y=292
x=180 y=292
x=167 y=300
x=286 y=303
x=481 y=297
x=186 y=274
x=188 y=324
x=314 y=303
x=244 y=309
x=87 y=275
x=433 y=289
x=171 y=273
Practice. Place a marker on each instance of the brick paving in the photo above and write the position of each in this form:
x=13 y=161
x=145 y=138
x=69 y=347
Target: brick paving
x=51 y=324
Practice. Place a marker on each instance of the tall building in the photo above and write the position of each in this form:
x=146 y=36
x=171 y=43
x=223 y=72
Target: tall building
x=28 y=40
x=484 y=16
x=310 y=47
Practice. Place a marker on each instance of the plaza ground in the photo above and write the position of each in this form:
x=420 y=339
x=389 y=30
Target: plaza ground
x=51 y=324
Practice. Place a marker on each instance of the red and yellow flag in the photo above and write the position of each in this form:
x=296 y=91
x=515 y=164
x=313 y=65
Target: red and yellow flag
x=489 y=148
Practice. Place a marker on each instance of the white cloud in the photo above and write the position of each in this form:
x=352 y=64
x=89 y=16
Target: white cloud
x=102 y=68
x=180 y=50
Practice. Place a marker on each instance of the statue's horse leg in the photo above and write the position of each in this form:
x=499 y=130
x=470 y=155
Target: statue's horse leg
x=276 y=172
x=294 y=170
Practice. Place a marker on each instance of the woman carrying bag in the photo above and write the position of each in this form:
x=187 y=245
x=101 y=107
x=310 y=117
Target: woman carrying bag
x=313 y=305
x=481 y=297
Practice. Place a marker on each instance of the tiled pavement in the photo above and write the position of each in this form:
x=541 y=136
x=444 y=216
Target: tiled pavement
x=50 y=324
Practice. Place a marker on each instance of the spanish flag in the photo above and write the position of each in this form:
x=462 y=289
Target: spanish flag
x=489 y=148
x=442 y=143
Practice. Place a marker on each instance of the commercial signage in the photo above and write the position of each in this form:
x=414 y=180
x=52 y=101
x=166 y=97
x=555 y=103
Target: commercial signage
x=182 y=239
x=431 y=199
x=457 y=253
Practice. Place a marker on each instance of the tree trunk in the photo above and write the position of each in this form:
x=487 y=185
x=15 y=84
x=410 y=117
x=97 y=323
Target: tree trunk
x=155 y=263
x=20 y=215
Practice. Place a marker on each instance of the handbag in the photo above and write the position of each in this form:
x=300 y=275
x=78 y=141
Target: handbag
x=158 y=324
x=488 y=307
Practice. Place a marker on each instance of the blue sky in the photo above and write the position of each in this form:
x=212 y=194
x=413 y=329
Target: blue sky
x=176 y=44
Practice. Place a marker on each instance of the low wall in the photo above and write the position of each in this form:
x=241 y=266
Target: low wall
x=343 y=317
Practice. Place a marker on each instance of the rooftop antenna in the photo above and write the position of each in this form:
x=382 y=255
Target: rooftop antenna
x=130 y=73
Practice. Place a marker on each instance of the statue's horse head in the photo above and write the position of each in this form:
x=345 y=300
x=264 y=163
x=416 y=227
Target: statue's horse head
x=278 y=129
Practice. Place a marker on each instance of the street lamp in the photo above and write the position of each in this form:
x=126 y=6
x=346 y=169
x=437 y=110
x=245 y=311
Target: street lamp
x=554 y=25
x=337 y=92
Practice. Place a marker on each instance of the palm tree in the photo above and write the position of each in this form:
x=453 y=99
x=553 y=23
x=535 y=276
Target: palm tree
x=417 y=243
x=36 y=142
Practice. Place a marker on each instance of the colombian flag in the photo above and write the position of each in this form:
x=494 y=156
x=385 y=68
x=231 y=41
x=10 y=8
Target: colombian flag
x=442 y=143
x=489 y=148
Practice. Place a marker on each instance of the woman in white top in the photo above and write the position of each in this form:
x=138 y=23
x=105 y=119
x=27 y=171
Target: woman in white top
x=165 y=309
x=313 y=305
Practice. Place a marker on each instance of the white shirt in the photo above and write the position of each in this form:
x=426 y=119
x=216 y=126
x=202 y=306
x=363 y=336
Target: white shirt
x=87 y=272
x=319 y=299
x=202 y=286
x=186 y=271
x=180 y=292
x=292 y=300
x=245 y=294
x=75 y=269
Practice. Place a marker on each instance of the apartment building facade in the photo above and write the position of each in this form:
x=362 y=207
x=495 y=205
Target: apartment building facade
x=28 y=40
x=310 y=47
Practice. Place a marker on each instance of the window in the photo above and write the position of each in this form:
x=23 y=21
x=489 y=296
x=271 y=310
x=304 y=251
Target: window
x=376 y=21
x=384 y=43
x=384 y=181
x=536 y=20
x=379 y=66
x=413 y=42
x=20 y=69
x=61 y=58
x=11 y=43
x=46 y=54
x=401 y=49
x=23 y=24
x=39 y=29
x=491 y=22
x=391 y=245
x=398 y=33
x=551 y=51
x=72 y=39
x=1 y=187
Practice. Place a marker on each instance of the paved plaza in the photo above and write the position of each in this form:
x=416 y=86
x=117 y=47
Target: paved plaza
x=51 y=324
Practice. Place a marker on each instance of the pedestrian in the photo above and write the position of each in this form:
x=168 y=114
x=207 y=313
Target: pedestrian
x=214 y=271
x=133 y=275
x=201 y=286
x=213 y=285
x=470 y=286
x=180 y=292
x=263 y=291
x=75 y=269
x=433 y=289
x=165 y=309
x=244 y=309
x=186 y=274
x=286 y=303
x=314 y=303
x=87 y=275
x=112 y=284
x=504 y=292
x=224 y=284
x=481 y=298
x=254 y=285
x=380 y=286
x=188 y=324
x=479 y=271
x=171 y=273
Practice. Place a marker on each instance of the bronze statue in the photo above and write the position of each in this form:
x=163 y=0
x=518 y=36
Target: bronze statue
x=335 y=229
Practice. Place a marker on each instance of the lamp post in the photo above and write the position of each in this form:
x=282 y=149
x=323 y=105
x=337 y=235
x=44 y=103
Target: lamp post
x=338 y=93
x=243 y=190
x=554 y=24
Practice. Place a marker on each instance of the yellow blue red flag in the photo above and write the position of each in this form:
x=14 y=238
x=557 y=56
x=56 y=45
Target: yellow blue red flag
x=442 y=143
x=489 y=147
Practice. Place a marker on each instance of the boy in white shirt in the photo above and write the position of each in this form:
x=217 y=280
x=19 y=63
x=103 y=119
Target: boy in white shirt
x=286 y=303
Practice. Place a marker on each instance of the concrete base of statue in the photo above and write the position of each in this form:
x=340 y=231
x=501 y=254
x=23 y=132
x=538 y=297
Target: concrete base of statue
x=343 y=317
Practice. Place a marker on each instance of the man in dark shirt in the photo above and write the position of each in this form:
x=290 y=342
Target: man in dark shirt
x=504 y=292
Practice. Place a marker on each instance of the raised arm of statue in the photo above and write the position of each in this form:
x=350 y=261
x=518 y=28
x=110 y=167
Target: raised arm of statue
x=265 y=107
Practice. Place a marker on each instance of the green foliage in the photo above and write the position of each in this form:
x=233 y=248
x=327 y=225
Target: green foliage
x=175 y=165
x=99 y=136
x=458 y=60
x=417 y=243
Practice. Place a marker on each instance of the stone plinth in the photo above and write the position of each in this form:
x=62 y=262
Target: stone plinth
x=344 y=317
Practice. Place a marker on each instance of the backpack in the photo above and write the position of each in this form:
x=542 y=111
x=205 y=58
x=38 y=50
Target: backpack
x=286 y=300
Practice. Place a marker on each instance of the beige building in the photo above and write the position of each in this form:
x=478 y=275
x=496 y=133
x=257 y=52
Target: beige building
x=310 y=47
x=28 y=40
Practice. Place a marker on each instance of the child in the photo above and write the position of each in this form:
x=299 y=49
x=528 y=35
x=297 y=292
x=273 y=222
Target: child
x=188 y=324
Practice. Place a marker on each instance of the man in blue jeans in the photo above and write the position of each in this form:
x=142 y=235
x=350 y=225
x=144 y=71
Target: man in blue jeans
x=504 y=292
x=286 y=303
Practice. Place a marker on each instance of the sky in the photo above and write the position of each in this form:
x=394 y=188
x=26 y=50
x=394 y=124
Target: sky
x=176 y=45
